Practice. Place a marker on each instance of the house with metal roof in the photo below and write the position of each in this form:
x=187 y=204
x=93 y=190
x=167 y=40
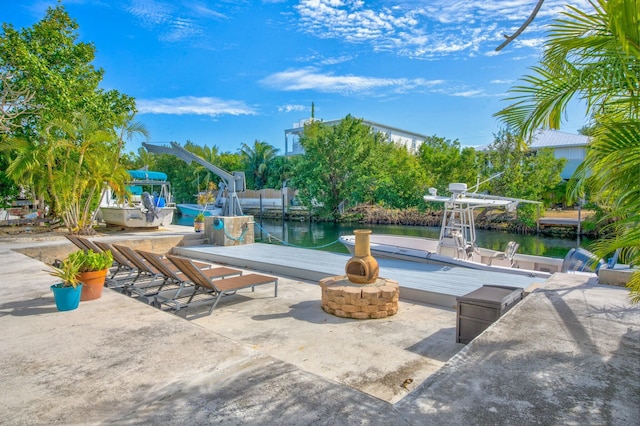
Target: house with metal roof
x=570 y=146
x=410 y=140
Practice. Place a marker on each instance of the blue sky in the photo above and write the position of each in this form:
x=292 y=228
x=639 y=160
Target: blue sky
x=229 y=72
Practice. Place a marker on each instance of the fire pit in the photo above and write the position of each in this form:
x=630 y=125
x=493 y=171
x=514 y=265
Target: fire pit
x=360 y=294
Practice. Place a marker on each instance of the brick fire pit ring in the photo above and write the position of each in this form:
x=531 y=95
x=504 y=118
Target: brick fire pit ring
x=342 y=298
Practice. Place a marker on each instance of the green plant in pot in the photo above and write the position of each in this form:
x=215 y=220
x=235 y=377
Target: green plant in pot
x=67 y=292
x=92 y=271
x=198 y=222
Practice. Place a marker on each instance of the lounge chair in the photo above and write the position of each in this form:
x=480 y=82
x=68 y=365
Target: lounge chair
x=121 y=262
x=187 y=290
x=77 y=241
x=220 y=287
x=158 y=280
x=90 y=245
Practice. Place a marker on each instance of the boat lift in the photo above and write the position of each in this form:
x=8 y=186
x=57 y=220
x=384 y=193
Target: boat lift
x=235 y=181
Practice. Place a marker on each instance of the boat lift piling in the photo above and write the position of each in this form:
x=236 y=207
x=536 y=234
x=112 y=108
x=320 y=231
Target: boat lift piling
x=231 y=227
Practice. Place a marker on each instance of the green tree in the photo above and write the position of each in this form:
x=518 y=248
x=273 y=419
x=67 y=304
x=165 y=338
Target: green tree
x=75 y=123
x=183 y=187
x=594 y=56
x=201 y=176
x=257 y=160
x=395 y=178
x=280 y=171
x=48 y=61
x=445 y=162
x=335 y=160
x=72 y=163
x=523 y=173
x=231 y=161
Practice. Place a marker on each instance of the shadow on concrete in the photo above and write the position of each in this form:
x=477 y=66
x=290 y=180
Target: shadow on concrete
x=37 y=306
x=430 y=346
x=247 y=397
x=308 y=311
x=195 y=312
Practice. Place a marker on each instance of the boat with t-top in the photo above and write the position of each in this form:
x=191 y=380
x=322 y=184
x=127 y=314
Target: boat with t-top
x=147 y=204
x=456 y=245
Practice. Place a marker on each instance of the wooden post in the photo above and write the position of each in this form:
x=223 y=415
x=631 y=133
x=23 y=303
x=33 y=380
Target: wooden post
x=283 y=201
x=579 y=224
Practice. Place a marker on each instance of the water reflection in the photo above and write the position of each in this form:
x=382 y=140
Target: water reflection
x=321 y=235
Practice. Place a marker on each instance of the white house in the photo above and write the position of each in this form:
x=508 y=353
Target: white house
x=564 y=145
x=410 y=140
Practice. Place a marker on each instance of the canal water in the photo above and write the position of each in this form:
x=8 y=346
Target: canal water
x=323 y=236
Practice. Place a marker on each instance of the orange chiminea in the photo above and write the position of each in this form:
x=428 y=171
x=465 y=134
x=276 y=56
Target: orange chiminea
x=362 y=268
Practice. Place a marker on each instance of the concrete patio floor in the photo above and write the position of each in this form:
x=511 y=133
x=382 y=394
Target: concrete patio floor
x=568 y=353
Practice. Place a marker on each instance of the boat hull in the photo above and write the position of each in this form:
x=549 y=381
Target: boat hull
x=425 y=250
x=134 y=217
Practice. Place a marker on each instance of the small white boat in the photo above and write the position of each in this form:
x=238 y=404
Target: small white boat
x=456 y=245
x=149 y=204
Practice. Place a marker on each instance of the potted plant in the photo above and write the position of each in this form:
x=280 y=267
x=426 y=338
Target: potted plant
x=67 y=292
x=198 y=222
x=92 y=271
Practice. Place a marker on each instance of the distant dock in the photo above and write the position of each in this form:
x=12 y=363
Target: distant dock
x=553 y=221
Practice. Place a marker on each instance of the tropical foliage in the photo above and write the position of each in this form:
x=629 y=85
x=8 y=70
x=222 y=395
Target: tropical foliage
x=594 y=56
x=68 y=148
x=444 y=161
x=67 y=272
x=521 y=173
x=339 y=165
x=257 y=160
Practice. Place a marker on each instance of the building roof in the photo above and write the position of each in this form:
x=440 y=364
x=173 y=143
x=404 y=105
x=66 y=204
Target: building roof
x=547 y=138
x=299 y=127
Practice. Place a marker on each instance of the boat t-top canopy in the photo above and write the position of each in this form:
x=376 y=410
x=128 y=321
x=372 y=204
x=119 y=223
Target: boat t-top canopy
x=458 y=224
x=147 y=175
x=475 y=202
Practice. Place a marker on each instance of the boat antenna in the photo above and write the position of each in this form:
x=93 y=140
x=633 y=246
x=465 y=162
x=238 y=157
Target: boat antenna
x=478 y=183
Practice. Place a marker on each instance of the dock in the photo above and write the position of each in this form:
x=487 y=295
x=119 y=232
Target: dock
x=566 y=354
x=556 y=221
x=420 y=282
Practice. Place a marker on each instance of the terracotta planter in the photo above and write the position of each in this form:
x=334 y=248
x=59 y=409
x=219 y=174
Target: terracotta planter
x=93 y=284
x=198 y=226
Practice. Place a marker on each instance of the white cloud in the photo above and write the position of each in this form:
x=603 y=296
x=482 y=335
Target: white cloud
x=469 y=94
x=292 y=108
x=174 y=22
x=191 y=105
x=431 y=29
x=312 y=79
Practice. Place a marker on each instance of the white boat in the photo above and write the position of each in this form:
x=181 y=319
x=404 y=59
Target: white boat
x=148 y=203
x=456 y=245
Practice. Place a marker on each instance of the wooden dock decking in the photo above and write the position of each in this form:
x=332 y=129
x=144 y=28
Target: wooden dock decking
x=434 y=284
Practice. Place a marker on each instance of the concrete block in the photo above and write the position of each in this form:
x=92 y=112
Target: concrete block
x=617 y=277
x=235 y=230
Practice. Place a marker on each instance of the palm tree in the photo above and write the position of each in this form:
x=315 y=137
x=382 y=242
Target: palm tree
x=257 y=161
x=595 y=57
x=210 y=155
x=70 y=164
